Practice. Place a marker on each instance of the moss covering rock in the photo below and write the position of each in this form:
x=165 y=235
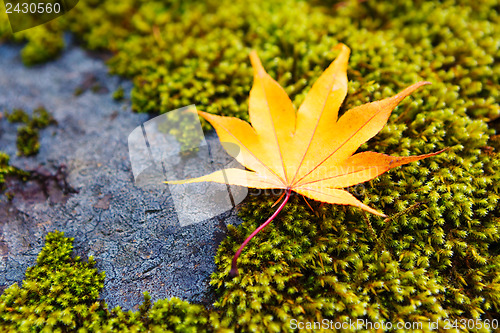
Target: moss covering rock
x=28 y=135
x=437 y=255
x=8 y=170
x=5 y=168
x=60 y=294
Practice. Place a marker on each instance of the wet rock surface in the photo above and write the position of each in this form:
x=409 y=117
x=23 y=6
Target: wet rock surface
x=81 y=183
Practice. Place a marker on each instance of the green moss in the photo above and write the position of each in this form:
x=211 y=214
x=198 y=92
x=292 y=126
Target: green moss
x=437 y=256
x=18 y=116
x=96 y=88
x=78 y=91
x=27 y=141
x=119 y=94
x=5 y=168
x=28 y=135
x=177 y=316
x=60 y=294
x=41 y=118
x=337 y=263
x=197 y=52
x=57 y=294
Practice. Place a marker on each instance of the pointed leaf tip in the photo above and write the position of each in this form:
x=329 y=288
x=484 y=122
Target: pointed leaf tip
x=406 y=92
x=339 y=46
x=421 y=84
x=376 y=212
x=342 y=47
x=256 y=63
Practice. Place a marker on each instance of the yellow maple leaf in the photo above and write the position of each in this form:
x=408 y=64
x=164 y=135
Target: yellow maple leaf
x=309 y=151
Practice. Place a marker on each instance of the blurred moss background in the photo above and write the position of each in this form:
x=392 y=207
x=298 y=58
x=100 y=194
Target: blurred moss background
x=437 y=255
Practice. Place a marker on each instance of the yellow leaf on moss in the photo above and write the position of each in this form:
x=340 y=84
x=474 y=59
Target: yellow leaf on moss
x=310 y=151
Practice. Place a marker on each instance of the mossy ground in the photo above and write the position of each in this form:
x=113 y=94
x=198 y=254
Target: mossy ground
x=60 y=294
x=437 y=255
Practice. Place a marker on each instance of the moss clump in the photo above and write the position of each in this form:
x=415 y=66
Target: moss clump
x=177 y=316
x=60 y=294
x=28 y=135
x=45 y=42
x=27 y=141
x=41 y=118
x=78 y=91
x=119 y=94
x=5 y=168
x=44 y=45
x=18 y=116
